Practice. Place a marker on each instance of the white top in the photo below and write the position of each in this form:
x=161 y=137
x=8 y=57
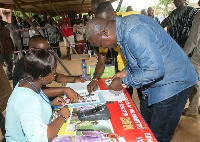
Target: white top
x=79 y=31
x=27 y=116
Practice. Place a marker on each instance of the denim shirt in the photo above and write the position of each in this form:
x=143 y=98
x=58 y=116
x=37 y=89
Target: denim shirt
x=154 y=61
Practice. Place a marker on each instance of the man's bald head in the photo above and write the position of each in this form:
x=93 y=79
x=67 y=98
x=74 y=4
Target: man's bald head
x=94 y=5
x=94 y=27
x=38 y=41
x=101 y=33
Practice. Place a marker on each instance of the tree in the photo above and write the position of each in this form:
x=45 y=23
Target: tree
x=166 y=4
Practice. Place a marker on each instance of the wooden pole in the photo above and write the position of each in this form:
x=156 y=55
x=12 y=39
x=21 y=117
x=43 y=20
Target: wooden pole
x=43 y=7
x=53 y=8
x=119 y=5
x=60 y=61
x=82 y=5
x=59 y=10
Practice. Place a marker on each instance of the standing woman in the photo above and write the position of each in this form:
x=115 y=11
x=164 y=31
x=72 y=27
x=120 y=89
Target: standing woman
x=28 y=109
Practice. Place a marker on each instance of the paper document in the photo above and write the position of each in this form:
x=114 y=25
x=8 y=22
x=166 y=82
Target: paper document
x=112 y=96
x=97 y=97
x=81 y=88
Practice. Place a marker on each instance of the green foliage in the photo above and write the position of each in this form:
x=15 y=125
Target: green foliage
x=166 y=4
x=19 y=14
x=123 y=8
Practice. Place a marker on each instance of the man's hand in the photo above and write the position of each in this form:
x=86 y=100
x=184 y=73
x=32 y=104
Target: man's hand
x=120 y=74
x=92 y=86
x=116 y=84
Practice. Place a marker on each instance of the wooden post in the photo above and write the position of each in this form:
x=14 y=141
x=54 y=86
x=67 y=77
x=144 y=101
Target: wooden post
x=43 y=7
x=82 y=5
x=119 y=6
x=53 y=8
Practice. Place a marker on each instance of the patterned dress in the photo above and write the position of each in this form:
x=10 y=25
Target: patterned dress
x=179 y=24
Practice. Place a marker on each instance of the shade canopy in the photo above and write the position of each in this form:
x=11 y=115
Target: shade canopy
x=54 y=7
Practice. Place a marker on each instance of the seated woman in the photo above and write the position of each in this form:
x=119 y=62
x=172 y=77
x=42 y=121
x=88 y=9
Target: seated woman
x=28 y=109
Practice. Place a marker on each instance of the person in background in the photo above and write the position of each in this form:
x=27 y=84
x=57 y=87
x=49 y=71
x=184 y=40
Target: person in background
x=179 y=22
x=40 y=42
x=32 y=32
x=79 y=31
x=53 y=36
x=66 y=29
x=80 y=17
x=85 y=19
x=144 y=12
x=16 y=38
x=29 y=107
x=6 y=50
x=129 y=11
x=90 y=15
x=150 y=12
x=192 y=45
x=44 y=21
x=129 y=8
x=154 y=62
x=19 y=22
x=25 y=35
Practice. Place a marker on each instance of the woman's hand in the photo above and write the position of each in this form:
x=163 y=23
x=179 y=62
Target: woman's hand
x=65 y=112
x=72 y=95
x=58 y=101
x=79 y=79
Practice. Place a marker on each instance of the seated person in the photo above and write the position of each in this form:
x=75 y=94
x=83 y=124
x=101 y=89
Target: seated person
x=38 y=41
x=28 y=110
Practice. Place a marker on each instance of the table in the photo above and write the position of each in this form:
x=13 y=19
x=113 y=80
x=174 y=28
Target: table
x=126 y=122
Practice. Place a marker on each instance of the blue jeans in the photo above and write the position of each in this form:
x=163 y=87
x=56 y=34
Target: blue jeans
x=164 y=116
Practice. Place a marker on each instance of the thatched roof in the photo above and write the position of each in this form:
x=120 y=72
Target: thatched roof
x=53 y=7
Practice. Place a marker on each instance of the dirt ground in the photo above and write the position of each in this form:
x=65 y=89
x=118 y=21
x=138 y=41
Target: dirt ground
x=188 y=129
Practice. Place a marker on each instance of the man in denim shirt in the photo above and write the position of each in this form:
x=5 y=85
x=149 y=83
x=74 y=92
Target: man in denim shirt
x=154 y=62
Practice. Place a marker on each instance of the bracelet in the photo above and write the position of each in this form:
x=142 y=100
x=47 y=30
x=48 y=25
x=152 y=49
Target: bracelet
x=63 y=117
x=95 y=79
